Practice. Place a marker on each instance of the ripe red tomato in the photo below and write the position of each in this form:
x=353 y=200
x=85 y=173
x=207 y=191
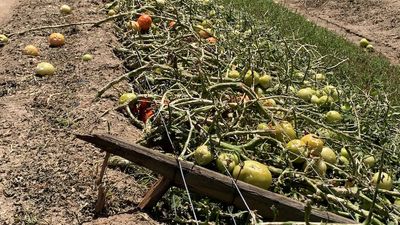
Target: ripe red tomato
x=144 y=22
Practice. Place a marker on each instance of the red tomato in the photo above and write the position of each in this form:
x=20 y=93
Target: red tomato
x=144 y=22
x=147 y=115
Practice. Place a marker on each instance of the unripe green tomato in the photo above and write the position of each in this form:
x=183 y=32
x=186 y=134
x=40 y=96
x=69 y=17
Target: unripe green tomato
x=321 y=168
x=253 y=172
x=313 y=143
x=269 y=102
x=328 y=155
x=314 y=99
x=45 y=69
x=331 y=91
x=369 y=161
x=65 y=9
x=333 y=117
x=202 y=155
x=305 y=93
x=344 y=161
x=297 y=150
x=319 y=77
x=262 y=126
x=228 y=161
x=385 y=181
x=111 y=12
x=259 y=92
x=265 y=81
x=364 y=42
x=251 y=78
x=127 y=97
x=234 y=74
x=3 y=39
x=370 y=48
x=87 y=57
x=325 y=100
x=344 y=152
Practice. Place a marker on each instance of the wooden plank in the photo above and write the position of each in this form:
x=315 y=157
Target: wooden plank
x=211 y=183
x=155 y=193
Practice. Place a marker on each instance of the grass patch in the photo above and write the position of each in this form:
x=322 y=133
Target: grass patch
x=365 y=70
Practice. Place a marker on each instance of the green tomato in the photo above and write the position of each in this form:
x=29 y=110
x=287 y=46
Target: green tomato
x=228 y=161
x=234 y=74
x=259 y=92
x=87 y=57
x=370 y=48
x=45 y=69
x=298 y=150
x=344 y=152
x=319 y=77
x=314 y=99
x=331 y=91
x=269 y=102
x=333 y=117
x=262 y=126
x=253 y=172
x=384 y=181
x=369 y=161
x=65 y=9
x=202 y=155
x=126 y=98
x=344 y=161
x=328 y=155
x=305 y=93
x=111 y=12
x=251 y=78
x=284 y=131
x=3 y=39
x=321 y=168
x=265 y=81
x=364 y=42
x=325 y=100
x=313 y=143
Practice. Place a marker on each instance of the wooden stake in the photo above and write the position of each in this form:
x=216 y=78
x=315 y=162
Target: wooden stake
x=155 y=193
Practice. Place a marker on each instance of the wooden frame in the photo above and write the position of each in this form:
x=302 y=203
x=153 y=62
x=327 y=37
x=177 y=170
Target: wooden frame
x=207 y=182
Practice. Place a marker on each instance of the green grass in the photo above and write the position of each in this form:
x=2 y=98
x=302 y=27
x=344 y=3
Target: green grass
x=368 y=71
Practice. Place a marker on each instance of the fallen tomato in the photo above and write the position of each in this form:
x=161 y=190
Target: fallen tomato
x=265 y=81
x=384 y=181
x=31 y=50
x=202 y=155
x=45 y=69
x=65 y=9
x=333 y=117
x=328 y=155
x=56 y=40
x=253 y=172
x=228 y=161
x=313 y=143
x=144 y=22
x=297 y=150
x=234 y=74
x=127 y=98
x=251 y=77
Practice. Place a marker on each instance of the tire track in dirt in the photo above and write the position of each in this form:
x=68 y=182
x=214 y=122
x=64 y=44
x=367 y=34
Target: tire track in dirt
x=378 y=21
x=46 y=175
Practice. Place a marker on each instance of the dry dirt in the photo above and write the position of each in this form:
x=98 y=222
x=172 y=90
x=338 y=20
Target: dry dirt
x=46 y=175
x=376 y=20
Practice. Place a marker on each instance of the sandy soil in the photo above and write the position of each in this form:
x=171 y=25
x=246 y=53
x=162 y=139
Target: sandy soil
x=46 y=175
x=376 y=20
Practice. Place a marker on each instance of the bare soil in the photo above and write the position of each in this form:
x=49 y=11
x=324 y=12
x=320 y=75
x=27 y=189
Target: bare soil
x=46 y=175
x=376 y=20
